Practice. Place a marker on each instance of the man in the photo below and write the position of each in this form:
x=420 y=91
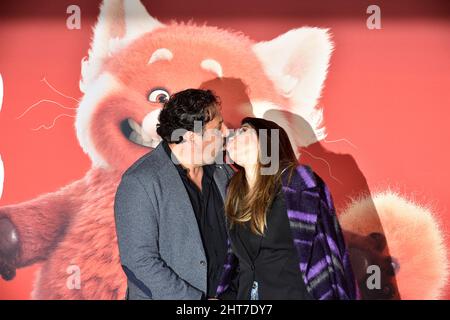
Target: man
x=168 y=207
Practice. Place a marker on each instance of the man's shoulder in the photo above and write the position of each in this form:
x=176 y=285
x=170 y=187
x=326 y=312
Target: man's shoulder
x=147 y=165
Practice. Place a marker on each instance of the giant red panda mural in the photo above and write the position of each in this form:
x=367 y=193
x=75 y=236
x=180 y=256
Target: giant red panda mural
x=135 y=62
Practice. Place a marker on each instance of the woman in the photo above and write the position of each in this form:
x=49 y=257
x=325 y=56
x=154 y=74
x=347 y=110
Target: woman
x=286 y=242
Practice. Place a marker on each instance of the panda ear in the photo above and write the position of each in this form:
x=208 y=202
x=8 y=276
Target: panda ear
x=119 y=22
x=297 y=62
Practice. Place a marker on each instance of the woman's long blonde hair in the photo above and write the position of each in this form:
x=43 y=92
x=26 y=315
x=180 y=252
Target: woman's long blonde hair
x=249 y=207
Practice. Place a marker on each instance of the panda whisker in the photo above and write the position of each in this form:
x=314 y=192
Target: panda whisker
x=41 y=101
x=57 y=91
x=54 y=121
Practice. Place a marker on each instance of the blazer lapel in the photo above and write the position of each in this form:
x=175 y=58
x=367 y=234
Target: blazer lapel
x=177 y=191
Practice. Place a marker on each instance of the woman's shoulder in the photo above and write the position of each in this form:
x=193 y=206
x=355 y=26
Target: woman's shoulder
x=304 y=167
x=304 y=177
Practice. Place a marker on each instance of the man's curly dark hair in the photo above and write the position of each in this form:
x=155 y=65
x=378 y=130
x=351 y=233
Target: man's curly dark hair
x=183 y=108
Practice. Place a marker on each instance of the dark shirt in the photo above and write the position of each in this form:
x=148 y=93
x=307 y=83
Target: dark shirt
x=271 y=260
x=209 y=212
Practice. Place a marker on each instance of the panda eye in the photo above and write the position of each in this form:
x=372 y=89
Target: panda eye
x=158 y=96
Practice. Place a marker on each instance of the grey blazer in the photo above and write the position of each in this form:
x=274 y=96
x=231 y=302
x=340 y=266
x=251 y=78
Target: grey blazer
x=160 y=246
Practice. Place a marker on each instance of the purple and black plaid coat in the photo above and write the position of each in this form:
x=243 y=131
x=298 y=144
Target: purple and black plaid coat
x=323 y=256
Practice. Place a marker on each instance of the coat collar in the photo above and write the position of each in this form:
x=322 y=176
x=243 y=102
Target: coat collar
x=303 y=178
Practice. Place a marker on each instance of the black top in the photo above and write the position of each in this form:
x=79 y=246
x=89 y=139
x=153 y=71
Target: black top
x=271 y=260
x=209 y=212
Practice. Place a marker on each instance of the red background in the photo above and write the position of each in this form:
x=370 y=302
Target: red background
x=387 y=90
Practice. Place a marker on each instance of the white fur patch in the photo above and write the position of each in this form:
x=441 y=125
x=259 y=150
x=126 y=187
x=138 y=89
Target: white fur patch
x=213 y=66
x=98 y=90
x=297 y=62
x=149 y=125
x=161 y=54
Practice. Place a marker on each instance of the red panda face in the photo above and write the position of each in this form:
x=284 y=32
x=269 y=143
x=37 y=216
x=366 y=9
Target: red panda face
x=135 y=65
x=166 y=61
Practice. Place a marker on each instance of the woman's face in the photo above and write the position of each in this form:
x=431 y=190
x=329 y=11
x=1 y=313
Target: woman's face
x=243 y=147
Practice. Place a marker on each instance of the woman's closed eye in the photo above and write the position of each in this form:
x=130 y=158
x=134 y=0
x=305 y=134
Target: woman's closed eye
x=241 y=130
